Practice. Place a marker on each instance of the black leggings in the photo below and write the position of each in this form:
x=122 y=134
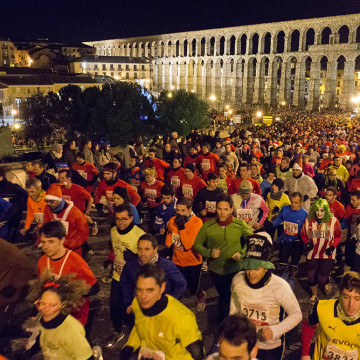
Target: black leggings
x=293 y=250
x=192 y=277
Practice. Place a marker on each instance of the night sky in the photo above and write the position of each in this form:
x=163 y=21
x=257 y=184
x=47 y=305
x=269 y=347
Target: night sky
x=86 y=20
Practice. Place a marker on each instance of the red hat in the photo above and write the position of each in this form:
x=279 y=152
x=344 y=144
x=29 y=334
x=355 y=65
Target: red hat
x=54 y=193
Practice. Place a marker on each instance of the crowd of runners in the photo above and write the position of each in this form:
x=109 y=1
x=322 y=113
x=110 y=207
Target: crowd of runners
x=246 y=208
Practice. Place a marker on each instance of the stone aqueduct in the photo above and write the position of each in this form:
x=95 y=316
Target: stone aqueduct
x=268 y=63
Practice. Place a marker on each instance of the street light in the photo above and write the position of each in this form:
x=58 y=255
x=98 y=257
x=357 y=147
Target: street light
x=172 y=87
x=356 y=101
x=169 y=95
x=283 y=103
x=259 y=114
x=227 y=107
x=17 y=126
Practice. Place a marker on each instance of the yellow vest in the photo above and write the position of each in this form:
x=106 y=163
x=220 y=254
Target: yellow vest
x=336 y=340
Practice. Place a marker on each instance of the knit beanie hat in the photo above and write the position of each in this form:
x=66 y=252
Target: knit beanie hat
x=279 y=183
x=259 y=247
x=191 y=167
x=54 y=192
x=121 y=191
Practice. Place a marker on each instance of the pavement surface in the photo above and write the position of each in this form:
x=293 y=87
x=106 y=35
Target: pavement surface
x=99 y=326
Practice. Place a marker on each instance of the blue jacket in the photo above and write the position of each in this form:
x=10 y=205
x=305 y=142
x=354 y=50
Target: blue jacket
x=163 y=214
x=175 y=282
x=296 y=217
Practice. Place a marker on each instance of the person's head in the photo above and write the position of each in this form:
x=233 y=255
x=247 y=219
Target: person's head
x=152 y=153
x=110 y=171
x=254 y=169
x=297 y=170
x=65 y=177
x=53 y=196
x=116 y=159
x=123 y=216
x=337 y=161
x=174 y=134
x=222 y=171
x=192 y=151
x=176 y=163
x=150 y=285
x=29 y=166
x=57 y=150
x=149 y=175
x=355 y=199
x=38 y=167
x=224 y=207
x=331 y=174
x=53 y=296
x=80 y=158
x=237 y=339
x=88 y=144
x=296 y=200
x=243 y=171
x=33 y=188
x=277 y=185
x=321 y=211
x=167 y=194
x=184 y=206
x=120 y=195
x=305 y=159
x=167 y=147
x=285 y=162
x=330 y=194
x=212 y=181
x=245 y=189
x=147 y=248
x=297 y=148
x=228 y=148
x=350 y=293
x=205 y=148
x=189 y=171
x=134 y=161
x=52 y=237
x=72 y=144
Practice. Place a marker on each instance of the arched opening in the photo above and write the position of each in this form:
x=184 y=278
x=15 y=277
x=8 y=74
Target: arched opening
x=323 y=75
x=162 y=49
x=343 y=34
x=193 y=48
x=295 y=40
x=169 y=49
x=339 y=77
x=280 y=42
x=202 y=47
x=357 y=38
x=293 y=64
x=357 y=76
x=310 y=38
x=255 y=44
x=177 y=48
x=243 y=44
x=212 y=47
x=222 y=45
x=185 y=47
x=325 y=36
x=232 y=45
x=267 y=43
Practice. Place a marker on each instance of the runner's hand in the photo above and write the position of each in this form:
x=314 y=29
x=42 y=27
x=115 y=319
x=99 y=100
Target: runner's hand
x=267 y=333
x=237 y=256
x=129 y=309
x=256 y=226
x=215 y=253
x=203 y=212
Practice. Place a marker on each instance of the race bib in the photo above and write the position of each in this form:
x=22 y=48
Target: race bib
x=118 y=266
x=205 y=164
x=291 y=228
x=332 y=352
x=83 y=173
x=39 y=218
x=148 y=354
x=244 y=214
x=175 y=239
x=258 y=314
x=175 y=182
x=188 y=191
x=210 y=206
x=151 y=193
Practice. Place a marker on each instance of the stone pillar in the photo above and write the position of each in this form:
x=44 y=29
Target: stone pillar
x=248 y=46
x=245 y=83
x=302 y=41
x=271 y=96
x=287 y=43
x=227 y=47
x=227 y=82
x=194 y=84
x=217 y=47
x=189 y=48
x=347 y=88
x=156 y=74
x=198 y=47
x=285 y=83
x=236 y=46
x=259 y=83
x=186 y=77
x=314 y=86
x=206 y=47
x=299 y=86
x=166 y=70
x=330 y=85
x=178 y=76
x=237 y=86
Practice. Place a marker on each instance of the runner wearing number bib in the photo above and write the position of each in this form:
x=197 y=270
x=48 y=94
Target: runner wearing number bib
x=264 y=298
x=339 y=324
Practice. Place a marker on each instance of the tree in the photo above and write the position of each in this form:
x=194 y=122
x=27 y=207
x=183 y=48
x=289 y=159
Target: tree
x=40 y=116
x=181 y=112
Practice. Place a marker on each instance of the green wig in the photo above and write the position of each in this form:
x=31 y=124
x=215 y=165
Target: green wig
x=321 y=203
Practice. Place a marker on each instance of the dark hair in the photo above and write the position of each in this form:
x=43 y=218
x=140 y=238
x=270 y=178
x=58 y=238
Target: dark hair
x=124 y=207
x=152 y=150
x=151 y=238
x=112 y=167
x=80 y=154
x=154 y=271
x=237 y=330
x=297 y=194
x=167 y=190
x=137 y=159
x=332 y=189
x=53 y=229
x=243 y=164
x=356 y=193
x=212 y=176
x=118 y=158
x=67 y=171
x=350 y=282
x=188 y=202
x=227 y=199
x=40 y=163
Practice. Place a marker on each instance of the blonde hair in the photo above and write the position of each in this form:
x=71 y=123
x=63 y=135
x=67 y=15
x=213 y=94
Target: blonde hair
x=150 y=171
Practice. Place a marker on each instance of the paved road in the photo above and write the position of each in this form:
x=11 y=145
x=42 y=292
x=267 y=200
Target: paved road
x=100 y=325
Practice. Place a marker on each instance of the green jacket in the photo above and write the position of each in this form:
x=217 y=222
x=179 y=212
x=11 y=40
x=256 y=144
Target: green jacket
x=227 y=239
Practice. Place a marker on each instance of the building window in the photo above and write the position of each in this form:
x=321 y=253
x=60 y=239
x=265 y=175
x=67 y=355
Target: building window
x=356 y=83
x=321 y=75
x=111 y=67
x=337 y=92
x=127 y=68
x=96 y=73
x=95 y=67
x=103 y=66
x=119 y=66
x=135 y=67
x=127 y=76
x=339 y=75
x=135 y=75
x=112 y=74
x=143 y=67
x=104 y=73
x=338 y=83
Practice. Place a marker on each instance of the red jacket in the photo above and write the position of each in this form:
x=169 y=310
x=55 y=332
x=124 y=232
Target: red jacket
x=236 y=185
x=190 y=187
x=107 y=190
x=77 y=194
x=87 y=171
x=151 y=193
x=207 y=164
x=159 y=166
x=174 y=178
x=77 y=228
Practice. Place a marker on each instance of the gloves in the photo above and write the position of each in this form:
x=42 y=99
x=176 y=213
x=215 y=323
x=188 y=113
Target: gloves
x=126 y=353
x=107 y=263
x=309 y=246
x=180 y=221
x=99 y=207
x=305 y=197
x=329 y=250
x=268 y=226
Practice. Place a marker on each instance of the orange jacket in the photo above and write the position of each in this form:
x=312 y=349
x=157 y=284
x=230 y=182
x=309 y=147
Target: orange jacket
x=35 y=210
